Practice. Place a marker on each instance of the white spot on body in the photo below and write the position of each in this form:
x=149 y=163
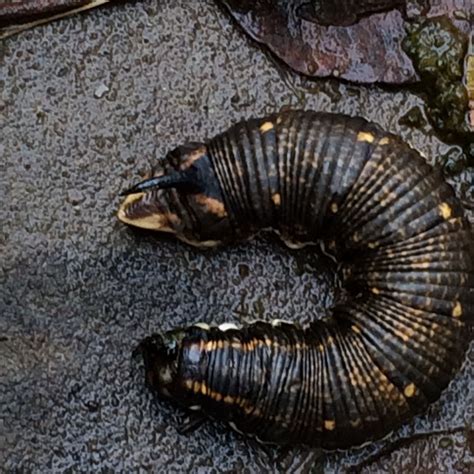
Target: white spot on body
x=204 y=326
x=226 y=326
x=279 y=322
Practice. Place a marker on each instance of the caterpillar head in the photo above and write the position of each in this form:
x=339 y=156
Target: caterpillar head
x=160 y=354
x=183 y=198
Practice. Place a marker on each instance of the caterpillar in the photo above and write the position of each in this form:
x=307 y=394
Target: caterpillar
x=406 y=255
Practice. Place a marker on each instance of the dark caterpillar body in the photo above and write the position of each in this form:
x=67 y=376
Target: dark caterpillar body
x=408 y=264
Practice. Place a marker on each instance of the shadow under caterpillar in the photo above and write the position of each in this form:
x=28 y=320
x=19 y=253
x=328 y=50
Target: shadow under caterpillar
x=407 y=255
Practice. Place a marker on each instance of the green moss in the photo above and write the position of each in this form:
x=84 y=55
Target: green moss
x=437 y=49
x=413 y=118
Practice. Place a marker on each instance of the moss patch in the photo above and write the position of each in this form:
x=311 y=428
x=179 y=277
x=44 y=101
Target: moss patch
x=437 y=49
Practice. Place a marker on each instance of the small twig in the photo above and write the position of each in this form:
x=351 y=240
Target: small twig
x=400 y=443
x=15 y=29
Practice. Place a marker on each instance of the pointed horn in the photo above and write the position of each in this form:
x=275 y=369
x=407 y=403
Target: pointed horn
x=160 y=182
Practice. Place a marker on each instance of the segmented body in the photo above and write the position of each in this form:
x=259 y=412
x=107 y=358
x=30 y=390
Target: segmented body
x=408 y=263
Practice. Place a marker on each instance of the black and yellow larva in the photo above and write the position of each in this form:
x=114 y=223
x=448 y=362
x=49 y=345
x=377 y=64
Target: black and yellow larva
x=408 y=263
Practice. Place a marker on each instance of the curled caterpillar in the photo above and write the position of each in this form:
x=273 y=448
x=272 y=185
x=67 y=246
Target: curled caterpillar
x=407 y=256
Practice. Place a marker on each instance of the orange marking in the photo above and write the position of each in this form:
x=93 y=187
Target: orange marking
x=214 y=206
x=276 y=198
x=192 y=157
x=422 y=265
x=329 y=424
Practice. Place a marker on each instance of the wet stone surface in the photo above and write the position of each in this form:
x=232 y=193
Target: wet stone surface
x=79 y=290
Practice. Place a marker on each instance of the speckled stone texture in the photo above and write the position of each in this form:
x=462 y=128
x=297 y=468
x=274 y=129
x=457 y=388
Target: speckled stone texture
x=86 y=104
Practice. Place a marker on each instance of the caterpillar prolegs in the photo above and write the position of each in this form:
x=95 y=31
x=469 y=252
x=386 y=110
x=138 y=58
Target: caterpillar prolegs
x=391 y=222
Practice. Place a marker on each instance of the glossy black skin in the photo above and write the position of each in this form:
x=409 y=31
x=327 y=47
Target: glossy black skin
x=408 y=264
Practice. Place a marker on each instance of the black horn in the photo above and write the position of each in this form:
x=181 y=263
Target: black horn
x=160 y=182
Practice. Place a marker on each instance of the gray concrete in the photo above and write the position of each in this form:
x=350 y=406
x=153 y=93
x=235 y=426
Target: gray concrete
x=85 y=105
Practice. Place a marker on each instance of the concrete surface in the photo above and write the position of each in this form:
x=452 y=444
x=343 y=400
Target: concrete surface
x=85 y=105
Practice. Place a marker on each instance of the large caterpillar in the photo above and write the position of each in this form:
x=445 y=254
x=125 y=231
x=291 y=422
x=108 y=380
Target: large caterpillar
x=408 y=264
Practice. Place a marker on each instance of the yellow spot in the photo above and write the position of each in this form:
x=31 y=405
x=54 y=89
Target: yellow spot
x=457 y=310
x=229 y=399
x=188 y=384
x=321 y=348
x=445 y=210
x=203 y=389
x=422 y=265
x=334 y=207
x=329 y=424
x=375 y=291
x=265 y=127
x=373 y=245
x=276 y=198
x=355 y=329
x=214 y=206
x=385 y=141
x=365 y=137
x=409 y=390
